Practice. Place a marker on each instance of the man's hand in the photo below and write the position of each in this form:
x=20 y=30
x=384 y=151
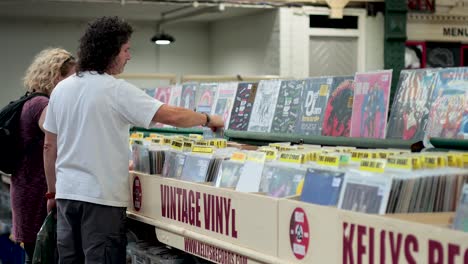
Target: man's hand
x=215 y=122
x=51 y=204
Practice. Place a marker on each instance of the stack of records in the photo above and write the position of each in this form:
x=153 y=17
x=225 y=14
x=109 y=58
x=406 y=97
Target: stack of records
x=251 y=173
x=229 y=173
x=322 y=186
x=434 y=190
x=174 y=163
x=365 y=193
x=156 y=159
x=280 y=179
x=140 y=157
x=200 y=167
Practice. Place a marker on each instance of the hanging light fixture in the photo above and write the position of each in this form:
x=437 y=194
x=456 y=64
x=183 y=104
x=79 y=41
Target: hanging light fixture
x=162 y=38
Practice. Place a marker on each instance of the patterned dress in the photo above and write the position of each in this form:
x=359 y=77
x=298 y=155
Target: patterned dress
x=28 y=183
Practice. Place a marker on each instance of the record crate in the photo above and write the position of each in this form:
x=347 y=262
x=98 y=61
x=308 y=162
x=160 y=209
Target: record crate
x=203 y=219
x=225 y=226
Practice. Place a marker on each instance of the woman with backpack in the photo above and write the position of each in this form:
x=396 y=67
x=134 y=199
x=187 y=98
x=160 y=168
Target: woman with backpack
x=28 y=182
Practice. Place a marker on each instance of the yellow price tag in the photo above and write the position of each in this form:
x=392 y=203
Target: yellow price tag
x=157 y=140
x=286 y=148
x=357 y=155
x=271 y=153
x=201 y=143
x=435 y=161
x=382 y=155
x=373 y=165
x=313 y=155
x=329 y=160
x=465 y=160
x=167 y=141
x=405 y=163
x=188 y=145
x=221 y=143
x=296 y=158
x=205 y=150
x=177 y=145
x=455 y=160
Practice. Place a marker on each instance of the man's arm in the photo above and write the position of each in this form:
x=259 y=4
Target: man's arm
x=50 y=156
x=183 y=117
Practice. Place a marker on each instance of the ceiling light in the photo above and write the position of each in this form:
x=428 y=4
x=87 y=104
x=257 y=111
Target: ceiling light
x=162 y=39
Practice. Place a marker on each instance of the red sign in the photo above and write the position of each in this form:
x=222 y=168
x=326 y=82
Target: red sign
x=137 y=194
x=299 y=233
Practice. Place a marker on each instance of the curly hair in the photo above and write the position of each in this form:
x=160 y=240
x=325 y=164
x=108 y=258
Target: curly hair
x=46 y=68
x=101 y=43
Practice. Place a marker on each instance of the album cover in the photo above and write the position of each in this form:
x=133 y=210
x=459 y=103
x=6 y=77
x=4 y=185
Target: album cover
x=365 y=193
x=205 y=97
x=176 y=94
x=196 y=168
x=188 y=97
x=370 y=104
x=337 y=117
x=225 y=99
x=249 y=180
x=229 y=173
x=242 y=107
x=263 y=108
x=412 y=103
x=279 y=180
x=163 y=94
x=448 y=117
x=315 y=93
x=322 y=187
x=288 y=107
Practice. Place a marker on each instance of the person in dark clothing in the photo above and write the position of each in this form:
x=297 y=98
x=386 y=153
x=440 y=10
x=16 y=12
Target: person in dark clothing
x=28 y=182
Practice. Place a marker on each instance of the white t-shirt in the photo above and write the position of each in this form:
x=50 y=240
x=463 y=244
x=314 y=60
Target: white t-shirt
x=91 y=116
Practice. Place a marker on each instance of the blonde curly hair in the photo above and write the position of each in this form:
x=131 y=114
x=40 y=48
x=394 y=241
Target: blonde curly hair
x=46 y=68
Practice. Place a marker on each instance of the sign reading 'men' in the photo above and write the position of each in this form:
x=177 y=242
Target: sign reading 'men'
x=184 y=205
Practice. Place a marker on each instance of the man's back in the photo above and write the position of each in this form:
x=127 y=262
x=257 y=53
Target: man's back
x=91 y=115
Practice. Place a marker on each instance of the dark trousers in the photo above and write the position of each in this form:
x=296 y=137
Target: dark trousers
x=29 y=249
x=90 y=233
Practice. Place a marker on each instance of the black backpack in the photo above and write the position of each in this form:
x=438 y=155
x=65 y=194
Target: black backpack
x=9 y=133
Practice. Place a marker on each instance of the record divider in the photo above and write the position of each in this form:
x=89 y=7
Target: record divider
x=284 y=230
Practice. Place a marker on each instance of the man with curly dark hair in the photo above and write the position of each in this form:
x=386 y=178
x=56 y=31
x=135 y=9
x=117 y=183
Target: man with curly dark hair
x=86 y=145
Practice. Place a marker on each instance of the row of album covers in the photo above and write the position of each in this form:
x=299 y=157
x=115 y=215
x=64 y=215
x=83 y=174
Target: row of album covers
x=428 y=102
x=369 y=181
